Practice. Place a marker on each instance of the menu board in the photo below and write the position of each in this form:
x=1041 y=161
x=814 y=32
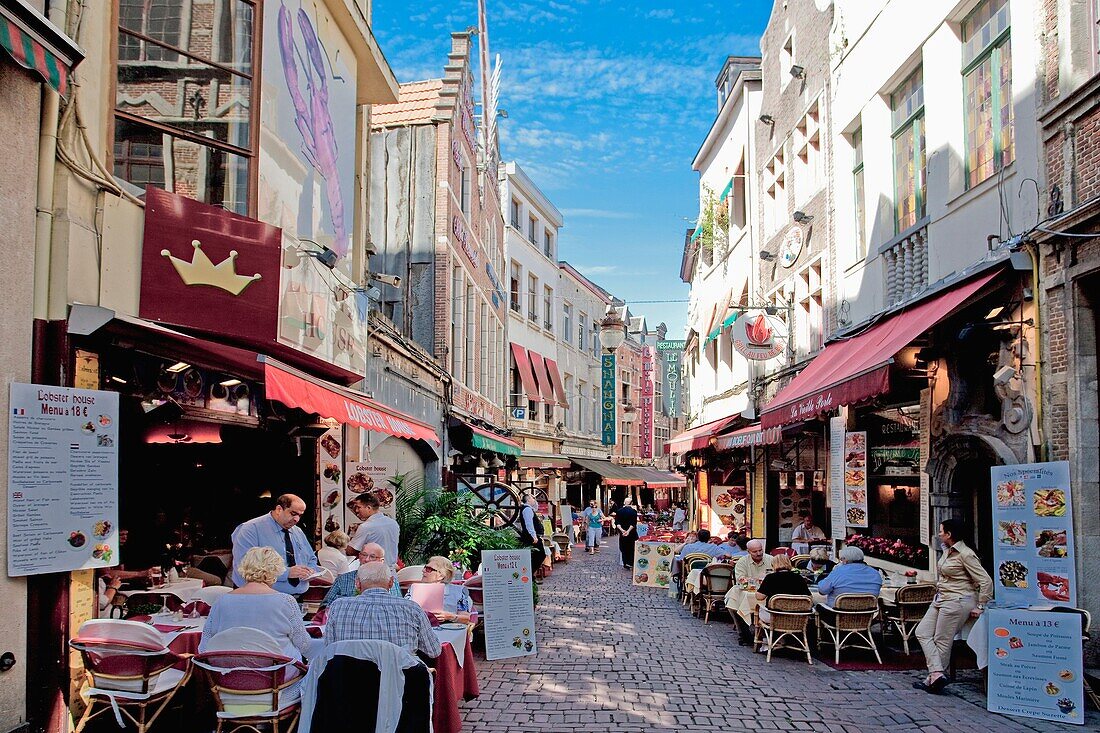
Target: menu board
x=653 y=563
x=371 y=476
x=1033 y=549
x=330 y=472
x=62 y=479
x=730 y=507
x=836 y=476
x=509 y=604
x=1035 y=665
x=855 y=479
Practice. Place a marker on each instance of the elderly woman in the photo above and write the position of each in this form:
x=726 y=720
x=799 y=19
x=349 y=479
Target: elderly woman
x=962 y=590
x=259 y=606
x=819 y=564
x=781 y=581
x=456 y=599
x=333 y=557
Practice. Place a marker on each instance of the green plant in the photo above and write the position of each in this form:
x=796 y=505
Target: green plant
x=441 y=522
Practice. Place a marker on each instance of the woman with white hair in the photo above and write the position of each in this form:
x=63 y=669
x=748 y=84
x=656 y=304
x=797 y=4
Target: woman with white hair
x=529 y=534
x=333 y=557
x=257 y=605
x=852 y=575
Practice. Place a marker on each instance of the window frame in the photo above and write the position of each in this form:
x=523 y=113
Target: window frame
x=859 y=194
x=912 y=122
x=993 y=52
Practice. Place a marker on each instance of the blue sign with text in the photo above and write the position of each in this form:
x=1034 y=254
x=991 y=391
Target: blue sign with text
x=607 y=397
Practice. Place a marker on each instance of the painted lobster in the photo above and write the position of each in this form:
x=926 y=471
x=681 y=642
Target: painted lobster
x=314 y=119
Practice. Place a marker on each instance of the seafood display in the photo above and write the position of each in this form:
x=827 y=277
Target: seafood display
x=1012 y=574
x=1052 y=543
x=857 y=516
x=1050 y=503
x=1010 y=493
x=1013 y=534
x=1053 y=587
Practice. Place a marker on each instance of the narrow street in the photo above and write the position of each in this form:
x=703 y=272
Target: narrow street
x=617 y=658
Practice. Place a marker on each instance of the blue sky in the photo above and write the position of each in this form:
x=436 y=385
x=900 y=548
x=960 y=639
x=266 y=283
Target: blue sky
x=608 y=102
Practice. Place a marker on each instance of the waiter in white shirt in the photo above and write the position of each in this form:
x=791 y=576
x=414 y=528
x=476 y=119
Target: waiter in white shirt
x=806 y=534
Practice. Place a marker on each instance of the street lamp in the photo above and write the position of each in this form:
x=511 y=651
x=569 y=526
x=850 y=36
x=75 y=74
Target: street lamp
x=612 y=330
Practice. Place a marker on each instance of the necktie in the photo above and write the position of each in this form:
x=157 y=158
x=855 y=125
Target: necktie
x=290 y=561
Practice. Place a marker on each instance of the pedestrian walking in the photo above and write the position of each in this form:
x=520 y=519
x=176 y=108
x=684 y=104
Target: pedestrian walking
x=678 y=518
x=626 y=519
x=593 y=521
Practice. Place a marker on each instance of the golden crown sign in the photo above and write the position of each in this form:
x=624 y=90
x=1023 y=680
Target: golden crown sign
x=201 y=271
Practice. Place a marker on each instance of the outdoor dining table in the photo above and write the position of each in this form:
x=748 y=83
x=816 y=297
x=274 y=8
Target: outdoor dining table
x=695 y=577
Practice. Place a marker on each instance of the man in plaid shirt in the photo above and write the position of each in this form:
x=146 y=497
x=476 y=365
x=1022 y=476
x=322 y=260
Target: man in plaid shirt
x=375 y=614
x=344 y=585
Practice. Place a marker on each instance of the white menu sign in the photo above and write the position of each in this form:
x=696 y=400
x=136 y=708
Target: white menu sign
x=62 y=479
x=509 y=604
x=836 y=476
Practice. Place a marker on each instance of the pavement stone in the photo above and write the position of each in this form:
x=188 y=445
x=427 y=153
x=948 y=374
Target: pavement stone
x=613 y=657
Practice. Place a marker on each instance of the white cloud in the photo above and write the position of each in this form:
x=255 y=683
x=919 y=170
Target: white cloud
x=597 y=214
x=592 y=270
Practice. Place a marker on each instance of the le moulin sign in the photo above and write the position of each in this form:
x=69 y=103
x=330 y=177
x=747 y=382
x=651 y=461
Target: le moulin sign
x=670 y=353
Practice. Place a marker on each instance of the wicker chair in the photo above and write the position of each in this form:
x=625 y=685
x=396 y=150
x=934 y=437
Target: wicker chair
x=799 y=561
x=714 y=582
x=853 y=613
x=907 y=611
x=690 y=562
x=786 y=629
x=561 y=540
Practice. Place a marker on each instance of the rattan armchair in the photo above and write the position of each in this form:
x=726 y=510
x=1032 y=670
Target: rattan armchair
x=789 y=617
x=908 y=609
x=715 y=581
x=852 y=616
x=690 y=562
x=799 y=561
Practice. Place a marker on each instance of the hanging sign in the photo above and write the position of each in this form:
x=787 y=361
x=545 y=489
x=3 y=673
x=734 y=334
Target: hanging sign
x=62 y=479
x=758 y=336
x=646 y=423
x=1033 y=549
x=607 y=398
x=791 y=247
x=671 y=353
x=509 y=604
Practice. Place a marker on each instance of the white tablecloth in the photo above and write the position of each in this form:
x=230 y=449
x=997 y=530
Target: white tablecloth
x=184 y=589
x=456 y=638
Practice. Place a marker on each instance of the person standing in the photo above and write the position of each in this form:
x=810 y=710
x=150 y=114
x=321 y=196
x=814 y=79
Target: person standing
x=626 y=519
x=962 y=590
x=530 y=536
x=593 y=522
x=279 y=530
x=374 y=526
x=805 y=534
x=678 y=518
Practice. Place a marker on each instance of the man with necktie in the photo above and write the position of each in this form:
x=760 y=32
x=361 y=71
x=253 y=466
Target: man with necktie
x=279 y=530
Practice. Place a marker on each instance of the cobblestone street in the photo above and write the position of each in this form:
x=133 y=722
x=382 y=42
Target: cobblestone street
x=617 y=658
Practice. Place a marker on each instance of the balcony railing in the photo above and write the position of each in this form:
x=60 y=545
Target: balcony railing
x=906 y=265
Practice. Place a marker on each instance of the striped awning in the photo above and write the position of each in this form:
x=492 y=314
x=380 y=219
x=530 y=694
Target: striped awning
x=37 y=45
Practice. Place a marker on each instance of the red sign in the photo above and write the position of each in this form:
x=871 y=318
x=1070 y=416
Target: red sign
x=207 y=269
x=851 y=392
x=647 y=403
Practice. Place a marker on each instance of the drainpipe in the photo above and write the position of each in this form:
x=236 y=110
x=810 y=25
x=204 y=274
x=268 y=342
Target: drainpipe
x=43 y=233
x=1032 y=250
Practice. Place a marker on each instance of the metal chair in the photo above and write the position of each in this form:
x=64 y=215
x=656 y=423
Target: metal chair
x=906 y=612
x=715 y=581
x=129 y=671
x=852 y=617
x=691 y=561
x=786 y=627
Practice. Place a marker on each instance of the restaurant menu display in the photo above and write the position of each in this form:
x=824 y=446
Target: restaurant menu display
x=509 y=604
x=1033 y=535
x=1035 y=665
x=795 y=489
x=730 y=507
x=836 y=477
x=855 y=479
x=62 y=480
x=653 y=563
x=371 y=476
x=330 y=469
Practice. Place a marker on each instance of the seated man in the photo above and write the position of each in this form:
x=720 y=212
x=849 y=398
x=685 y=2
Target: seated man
x=750 y=569
x=701 y=544
x=852 y=575
x=375 y=614
x=734 y=546
x=344 y=585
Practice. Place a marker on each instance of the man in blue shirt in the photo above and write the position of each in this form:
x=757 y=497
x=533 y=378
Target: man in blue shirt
x=852 y=575
x=279 y=530
x=702 y=544
x=734 y=546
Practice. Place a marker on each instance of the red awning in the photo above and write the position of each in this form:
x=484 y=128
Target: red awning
x=555 y=380
x=543 y=376
x=699 y=437
x=856 y=369
x=747 y=437
x=526 y=376
x=296 y=389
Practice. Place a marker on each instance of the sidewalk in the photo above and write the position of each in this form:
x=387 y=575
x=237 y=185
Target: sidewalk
x=617 y=658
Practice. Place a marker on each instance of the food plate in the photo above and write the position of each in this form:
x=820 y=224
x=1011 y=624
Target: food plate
x=724 y=500
x=1012 y=574
x=857 y=515
x=453 y=626
x=1013 y=534
x=642 y=562
x=1050 y=503
x=1052 y=543
x=1010 y=493
x=359 y=482
x=385 y=496
x=331 y=446
x=855 y=477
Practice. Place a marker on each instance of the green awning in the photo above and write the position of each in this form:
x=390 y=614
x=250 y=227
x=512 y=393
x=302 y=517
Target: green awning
x=696 y=233
x=726 y=191
x=718 y=331
x=465 y=434
x=496 y=445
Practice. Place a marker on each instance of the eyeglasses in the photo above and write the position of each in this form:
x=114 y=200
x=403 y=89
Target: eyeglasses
x=429 y=569
x=372 y=556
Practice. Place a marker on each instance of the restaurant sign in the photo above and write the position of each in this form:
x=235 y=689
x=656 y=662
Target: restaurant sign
x=607 y=398
x=670 y=353
x=758 y=336
x=509 y=604
x=819 y=402
x=646 y=423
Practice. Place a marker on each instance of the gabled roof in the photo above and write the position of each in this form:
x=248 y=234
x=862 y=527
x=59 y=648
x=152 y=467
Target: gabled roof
x=416 y=105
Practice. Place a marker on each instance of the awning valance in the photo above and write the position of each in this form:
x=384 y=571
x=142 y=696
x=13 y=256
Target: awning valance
x=526 y=376
x=542 y=375
x=612 y=473
x=699 y=437
x=748 y=437
x=37 y=45
x=540 y=460
x=657 y=479
x=858 y=368
x=556 y=382
x=725 y=191
x=297 y=389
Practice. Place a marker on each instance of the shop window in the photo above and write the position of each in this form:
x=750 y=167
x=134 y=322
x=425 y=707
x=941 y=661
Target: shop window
x=185 y=102
x=513 y=288
x=548 y=413
x=907 y=117
x=567 y=323
x=859 y=195
x=987 y=84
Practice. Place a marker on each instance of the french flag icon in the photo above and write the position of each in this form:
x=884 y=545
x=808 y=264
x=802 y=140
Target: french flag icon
x=18 y=411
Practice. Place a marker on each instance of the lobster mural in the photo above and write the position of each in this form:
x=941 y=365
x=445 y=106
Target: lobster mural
x=314 y=118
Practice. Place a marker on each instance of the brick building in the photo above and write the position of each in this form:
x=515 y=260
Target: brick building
x=1069 y=121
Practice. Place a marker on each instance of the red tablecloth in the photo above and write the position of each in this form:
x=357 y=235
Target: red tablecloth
x=453 y=683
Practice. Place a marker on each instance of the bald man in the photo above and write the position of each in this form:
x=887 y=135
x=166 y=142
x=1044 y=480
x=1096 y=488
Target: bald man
x=279 y=530
x=344 y=585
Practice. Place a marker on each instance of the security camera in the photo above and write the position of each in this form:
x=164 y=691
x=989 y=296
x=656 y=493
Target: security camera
x=393 y=281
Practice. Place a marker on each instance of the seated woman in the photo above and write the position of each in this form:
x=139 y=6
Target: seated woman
x=819 y=565
x=259 y=606
x=456 y=599
x=782 y=580
x=333 y=557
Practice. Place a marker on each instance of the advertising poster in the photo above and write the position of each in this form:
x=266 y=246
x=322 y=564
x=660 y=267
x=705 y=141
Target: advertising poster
x=330 y=470
x=925 y=454
x=730 y=505
x=62 y=479
x=855 y=479
x=653 y=563
x=836 y=476
x=1035 y=665
x=372 y=475
x=1033 y=549
x=608 y=409
x=509 y=604
x=645 y=425
x=670 y=353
